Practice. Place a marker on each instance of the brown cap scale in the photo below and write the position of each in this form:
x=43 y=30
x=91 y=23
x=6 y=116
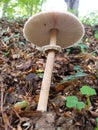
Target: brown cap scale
x=48 y=29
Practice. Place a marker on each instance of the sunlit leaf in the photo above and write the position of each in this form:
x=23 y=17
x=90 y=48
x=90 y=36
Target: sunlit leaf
x=70 y=98
x=20 y=105
x=39 y=71
x=88 y=90
x=80 y=105
x=71 y=101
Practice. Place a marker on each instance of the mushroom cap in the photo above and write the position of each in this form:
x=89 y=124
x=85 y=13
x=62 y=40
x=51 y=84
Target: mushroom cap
x=37 y=28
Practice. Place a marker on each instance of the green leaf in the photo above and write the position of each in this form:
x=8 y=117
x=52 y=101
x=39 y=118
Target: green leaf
x=96 y=35
x=78 y=68
x=88 y=90
x=22 y=43
x=80 y=74
x=90 y=19
x=97 y=119
x=22 y=104
x=12 y=36
x=69 y=98
x=71 y=101
x=68 y=78
x=40 y=75
x=96 y=128
x=72 y=77
x=82 y=45
x=7 y=53
x=80 y=105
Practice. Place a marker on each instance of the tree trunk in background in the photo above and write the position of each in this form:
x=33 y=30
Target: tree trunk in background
x=73 y=6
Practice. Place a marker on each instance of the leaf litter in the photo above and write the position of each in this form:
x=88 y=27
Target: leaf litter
x=21 y=71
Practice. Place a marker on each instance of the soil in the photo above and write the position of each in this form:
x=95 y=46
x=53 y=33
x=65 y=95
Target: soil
x=21 y=71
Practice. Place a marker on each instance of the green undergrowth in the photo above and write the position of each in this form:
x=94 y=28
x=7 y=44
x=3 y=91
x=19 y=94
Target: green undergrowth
x=73 y=102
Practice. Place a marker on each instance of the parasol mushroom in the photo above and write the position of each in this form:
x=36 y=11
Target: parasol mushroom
x=63 y=29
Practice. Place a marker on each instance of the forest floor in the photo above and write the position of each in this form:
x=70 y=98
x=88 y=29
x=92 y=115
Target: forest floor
x=21 y=72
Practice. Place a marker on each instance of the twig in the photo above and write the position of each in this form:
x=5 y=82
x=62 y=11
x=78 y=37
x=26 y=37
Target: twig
x=4 y=115
x=16 y=113
x=2 y=96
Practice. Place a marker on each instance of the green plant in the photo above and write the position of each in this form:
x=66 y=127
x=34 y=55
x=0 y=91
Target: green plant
x=13 y=9
x=72 y=102
x=90 y=19
x=75 y=76
x=78 y=68
x=88 y=91
x=83 y=47
x=96 y=34
x=21 y=105
x=97 y=124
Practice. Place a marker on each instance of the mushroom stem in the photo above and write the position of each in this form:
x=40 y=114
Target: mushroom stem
x=44 y=94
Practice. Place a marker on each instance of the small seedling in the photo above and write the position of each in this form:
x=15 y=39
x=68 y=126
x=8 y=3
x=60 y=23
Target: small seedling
x=72 y=102
x=88 y=91
x=21 y=105
x=97 y=124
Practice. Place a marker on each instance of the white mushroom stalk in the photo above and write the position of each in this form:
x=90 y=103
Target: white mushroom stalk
x=59 y=30
x=44 y=94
